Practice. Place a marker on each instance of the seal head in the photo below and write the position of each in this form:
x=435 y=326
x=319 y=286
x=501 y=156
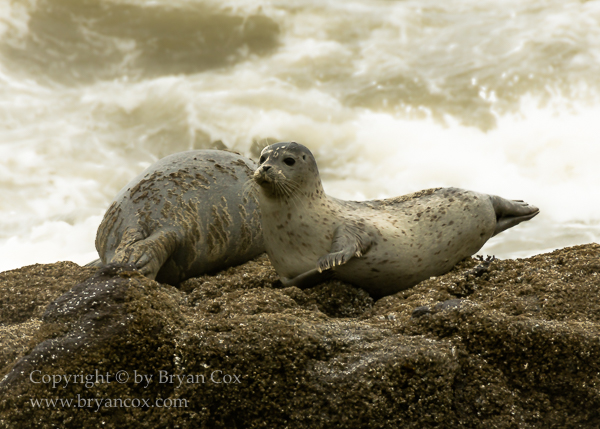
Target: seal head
x=288 y=169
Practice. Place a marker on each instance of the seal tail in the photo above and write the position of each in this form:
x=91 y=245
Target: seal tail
x=511 y=212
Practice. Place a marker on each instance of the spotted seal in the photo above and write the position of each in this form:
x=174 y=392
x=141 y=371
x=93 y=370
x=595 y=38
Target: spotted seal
x=382 y=246
x=186 y=215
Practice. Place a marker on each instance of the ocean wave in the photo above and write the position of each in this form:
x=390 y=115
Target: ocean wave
x=82 y=41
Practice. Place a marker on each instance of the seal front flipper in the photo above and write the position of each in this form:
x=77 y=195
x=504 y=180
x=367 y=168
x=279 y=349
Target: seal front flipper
x=148 y=254
x=349 y=240
x=511 y=212
x=307 y=279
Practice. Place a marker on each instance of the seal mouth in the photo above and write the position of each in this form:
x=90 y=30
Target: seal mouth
x=261 y=178
x=273 y=184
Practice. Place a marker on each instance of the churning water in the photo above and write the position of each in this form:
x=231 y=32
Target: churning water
x=497 y=96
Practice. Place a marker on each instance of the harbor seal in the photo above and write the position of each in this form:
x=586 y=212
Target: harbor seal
x=186 y=215
x=382 y=246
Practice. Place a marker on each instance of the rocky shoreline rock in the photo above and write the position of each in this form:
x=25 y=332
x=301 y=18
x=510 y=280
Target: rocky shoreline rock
x=492 y=344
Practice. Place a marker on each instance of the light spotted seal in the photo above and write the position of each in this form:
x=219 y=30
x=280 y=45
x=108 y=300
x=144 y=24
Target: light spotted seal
x=382 y=246
x=186 y=215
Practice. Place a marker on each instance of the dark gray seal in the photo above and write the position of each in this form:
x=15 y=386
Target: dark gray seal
x=188 y=214
x=382 y=246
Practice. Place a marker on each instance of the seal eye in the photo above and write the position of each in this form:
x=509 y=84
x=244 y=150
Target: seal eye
x=262 y=159
x=289 y=161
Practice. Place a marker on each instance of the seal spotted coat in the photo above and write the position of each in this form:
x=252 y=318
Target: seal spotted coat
x=186 y=215
x=382 y=246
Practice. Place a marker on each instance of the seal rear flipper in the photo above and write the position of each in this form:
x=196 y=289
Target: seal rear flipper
x=348 y=241
x=307 y=279
x=149 y=254
x=511 y=212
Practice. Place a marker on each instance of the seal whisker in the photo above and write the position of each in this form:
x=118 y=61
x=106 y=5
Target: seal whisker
x=296 y=202
x=249 y=187
x=278 y=188
x=293 y=193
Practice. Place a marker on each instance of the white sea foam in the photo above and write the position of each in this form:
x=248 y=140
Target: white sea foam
x=52 y=241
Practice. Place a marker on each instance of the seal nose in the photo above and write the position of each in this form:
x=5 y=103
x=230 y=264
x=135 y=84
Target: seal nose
x=266 y=168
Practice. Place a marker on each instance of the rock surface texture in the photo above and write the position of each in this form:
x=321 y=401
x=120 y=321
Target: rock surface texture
x=491 y=344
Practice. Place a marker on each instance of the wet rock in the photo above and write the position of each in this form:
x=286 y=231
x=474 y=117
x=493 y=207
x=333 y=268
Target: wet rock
x=492 y=344
x=440 y=306
x=24 y=295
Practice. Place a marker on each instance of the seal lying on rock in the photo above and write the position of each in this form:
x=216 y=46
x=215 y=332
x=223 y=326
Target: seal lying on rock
x=382 y=246
x=186 y=215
